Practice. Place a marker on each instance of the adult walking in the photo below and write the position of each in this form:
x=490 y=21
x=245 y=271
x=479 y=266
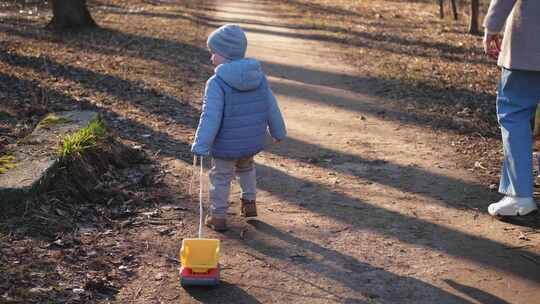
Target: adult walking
x=518 y=54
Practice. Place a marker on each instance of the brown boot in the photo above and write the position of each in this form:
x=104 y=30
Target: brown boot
x=248 y=208
x=218 y=224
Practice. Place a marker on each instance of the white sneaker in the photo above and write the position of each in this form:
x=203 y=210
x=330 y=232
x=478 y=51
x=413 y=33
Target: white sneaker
x=512 y=206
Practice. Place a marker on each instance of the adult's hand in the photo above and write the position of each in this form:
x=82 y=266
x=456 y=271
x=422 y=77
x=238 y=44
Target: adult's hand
x=492 y=45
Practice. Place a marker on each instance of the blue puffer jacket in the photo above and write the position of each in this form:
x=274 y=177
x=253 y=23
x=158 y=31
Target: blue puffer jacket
x=238 y=109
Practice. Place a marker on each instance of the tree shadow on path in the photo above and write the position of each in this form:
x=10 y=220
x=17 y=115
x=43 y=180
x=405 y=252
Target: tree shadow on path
x=324 y=88
x=361 y=278
x=319 y=199
x=477 y=294
x=373 y=41
x=447 y=191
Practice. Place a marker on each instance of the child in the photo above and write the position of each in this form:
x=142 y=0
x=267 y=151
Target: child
x=238 y=109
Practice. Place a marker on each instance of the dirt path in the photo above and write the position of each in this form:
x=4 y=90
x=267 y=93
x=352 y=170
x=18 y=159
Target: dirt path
x=355 y=207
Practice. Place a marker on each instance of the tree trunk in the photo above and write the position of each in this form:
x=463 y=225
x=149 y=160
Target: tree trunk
x=473 y=25
x=441 y=9
x=70 y=14
x=454 y=9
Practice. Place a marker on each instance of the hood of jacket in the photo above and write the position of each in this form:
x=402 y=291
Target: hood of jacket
x=244 y=74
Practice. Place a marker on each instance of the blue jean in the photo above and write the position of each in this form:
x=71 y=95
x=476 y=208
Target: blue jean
x=517 y=99
x=221 y=175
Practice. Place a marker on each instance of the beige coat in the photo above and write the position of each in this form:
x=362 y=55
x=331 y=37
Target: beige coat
x=521 y=42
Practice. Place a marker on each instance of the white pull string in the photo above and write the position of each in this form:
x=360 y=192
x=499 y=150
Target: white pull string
x=201 y=199
x=193 y=172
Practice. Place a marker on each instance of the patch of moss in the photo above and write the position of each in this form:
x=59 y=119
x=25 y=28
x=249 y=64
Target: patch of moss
x=4 y=115
x=83 y=139
x=7 y=162
x=59 y=289
x=52 y=119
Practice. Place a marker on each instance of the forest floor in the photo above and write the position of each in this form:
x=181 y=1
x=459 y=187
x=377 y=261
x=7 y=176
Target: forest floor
x=378 y=196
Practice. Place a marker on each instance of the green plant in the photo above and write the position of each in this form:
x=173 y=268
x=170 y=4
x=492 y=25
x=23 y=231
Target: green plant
x=7 y=162
x=83 y=139
x=4 y=115
x=52 y=119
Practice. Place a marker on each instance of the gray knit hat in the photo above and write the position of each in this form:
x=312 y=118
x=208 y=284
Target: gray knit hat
x=228 y=41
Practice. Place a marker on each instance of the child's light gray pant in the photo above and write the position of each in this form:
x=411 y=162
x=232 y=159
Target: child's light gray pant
x=221 y=175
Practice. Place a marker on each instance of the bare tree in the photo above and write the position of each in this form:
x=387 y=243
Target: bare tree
x=473 y=24
x=441 y=9
x=454 y=9
x=70 y=14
